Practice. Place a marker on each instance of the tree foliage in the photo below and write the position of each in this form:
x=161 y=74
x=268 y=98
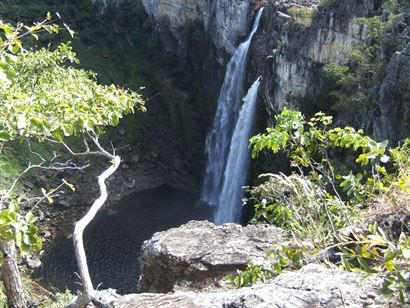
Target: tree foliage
x=44 y=97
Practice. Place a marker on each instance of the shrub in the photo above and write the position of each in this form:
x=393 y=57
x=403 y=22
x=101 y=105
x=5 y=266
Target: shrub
x=298 y=204
x=302 y=15
x=319 y=200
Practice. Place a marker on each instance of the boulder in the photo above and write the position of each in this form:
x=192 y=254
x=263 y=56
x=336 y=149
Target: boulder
x=312 y=286
x=199 y=254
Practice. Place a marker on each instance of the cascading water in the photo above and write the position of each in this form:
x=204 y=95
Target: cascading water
x=229 y=205
x=218 y=141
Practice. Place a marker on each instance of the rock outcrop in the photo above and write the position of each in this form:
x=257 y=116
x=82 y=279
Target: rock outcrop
x=198 y=254
x=312 y=286
x=190 y=261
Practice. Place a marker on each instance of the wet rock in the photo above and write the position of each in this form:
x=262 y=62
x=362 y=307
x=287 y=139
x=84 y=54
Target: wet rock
x=199 y=254
x=40 y=215
x=130 y=184
x=312 y=286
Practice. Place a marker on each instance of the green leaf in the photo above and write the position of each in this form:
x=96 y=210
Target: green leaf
x=345 y=263
x=71 y=32
x=30 y=218
x=389 y=265
x=365 y=266
x=58 y=135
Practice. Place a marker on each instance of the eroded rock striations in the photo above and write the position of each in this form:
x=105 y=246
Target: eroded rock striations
x=199 y=254
x=292 y=57
x=224 y=20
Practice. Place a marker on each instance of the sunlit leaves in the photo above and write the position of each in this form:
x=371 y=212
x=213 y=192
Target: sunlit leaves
x=21 y=229
x=47 y=99
x=288 y=256
x=304 y=141
x=376 y=253
x=42 y=97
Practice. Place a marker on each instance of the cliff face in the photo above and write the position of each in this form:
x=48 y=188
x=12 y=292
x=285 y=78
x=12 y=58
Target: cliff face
x=290 y=51
x=292 y=55
x=225 y=21
x=289 y=55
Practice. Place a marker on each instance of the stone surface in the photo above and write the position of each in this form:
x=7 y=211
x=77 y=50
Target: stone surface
x=225 y=20
x=198 y=254
x=291 y=56
x=312 y=286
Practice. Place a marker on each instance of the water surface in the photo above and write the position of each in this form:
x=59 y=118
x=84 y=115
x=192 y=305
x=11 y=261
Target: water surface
x=114 y=238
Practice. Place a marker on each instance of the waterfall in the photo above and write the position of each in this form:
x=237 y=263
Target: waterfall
x=218 y=141
x=229 y=205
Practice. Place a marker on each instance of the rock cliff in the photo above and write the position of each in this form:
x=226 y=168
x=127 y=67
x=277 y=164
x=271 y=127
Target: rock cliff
x=225 y=21
x=292 y=53
x=312 y=286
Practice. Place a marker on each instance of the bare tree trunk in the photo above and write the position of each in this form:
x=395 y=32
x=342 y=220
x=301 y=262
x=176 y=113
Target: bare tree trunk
x=88 y=289
x=11 y=275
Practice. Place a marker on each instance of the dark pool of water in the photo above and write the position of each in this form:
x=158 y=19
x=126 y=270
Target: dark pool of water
x=113 y=240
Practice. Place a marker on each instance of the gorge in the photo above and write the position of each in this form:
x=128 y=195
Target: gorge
x=188 y=157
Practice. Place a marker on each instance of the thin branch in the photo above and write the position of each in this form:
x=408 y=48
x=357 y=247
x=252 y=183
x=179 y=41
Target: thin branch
x=88 y=292
x=87 y=148
x=13 y=185
x=82 y=154
x=34 y=153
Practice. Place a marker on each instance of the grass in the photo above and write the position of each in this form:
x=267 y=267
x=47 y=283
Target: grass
x=38 y=296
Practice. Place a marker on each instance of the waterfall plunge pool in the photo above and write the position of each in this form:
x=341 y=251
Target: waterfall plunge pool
x=113 y=240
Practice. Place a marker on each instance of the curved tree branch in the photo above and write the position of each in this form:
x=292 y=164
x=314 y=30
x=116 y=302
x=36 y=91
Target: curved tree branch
x=88 y=289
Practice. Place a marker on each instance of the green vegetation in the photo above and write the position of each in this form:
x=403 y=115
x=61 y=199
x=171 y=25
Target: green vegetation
x=375 y=253
x=37 y=295
x=321 y=197
x=302 y=15
x=122 y=48
x=289 y=256
x=43 y=98
x=349 y=91
x=327 y=3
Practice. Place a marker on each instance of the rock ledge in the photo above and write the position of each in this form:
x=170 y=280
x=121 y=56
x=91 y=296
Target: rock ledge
x=198 y=254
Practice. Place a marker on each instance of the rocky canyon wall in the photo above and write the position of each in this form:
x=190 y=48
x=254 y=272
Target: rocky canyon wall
x=225 y=21
x=291 y=55
x=290 y=52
